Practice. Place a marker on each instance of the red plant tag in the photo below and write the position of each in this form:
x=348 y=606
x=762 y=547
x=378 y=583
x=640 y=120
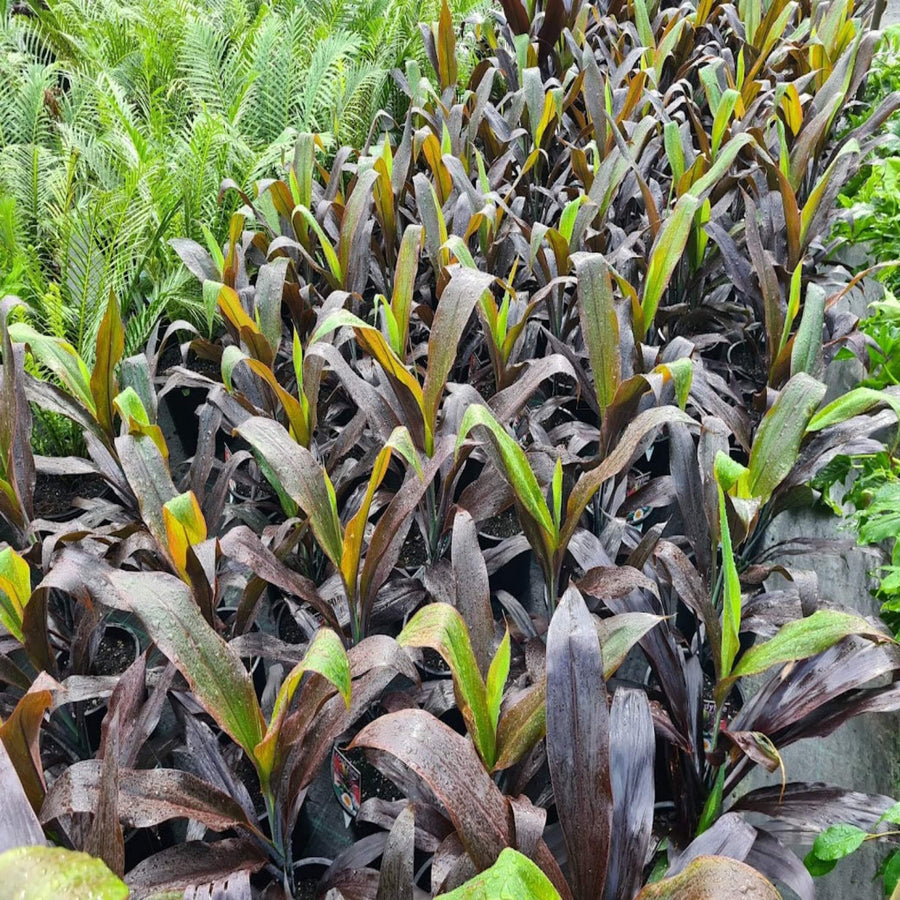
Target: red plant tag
x=346 y=781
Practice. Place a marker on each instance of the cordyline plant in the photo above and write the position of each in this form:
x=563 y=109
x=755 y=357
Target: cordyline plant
x=580 y=310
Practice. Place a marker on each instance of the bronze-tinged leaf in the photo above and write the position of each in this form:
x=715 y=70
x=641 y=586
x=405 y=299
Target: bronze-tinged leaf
x=447 y=763
x=599 y=325
x=615 y=462
x=453 y=312
x=473 y=592
x=19 y=826
x=109 y=351
x=446 y=48
x=20 y=735
x=106 y=839
x=578 y=744
x=149 y=479
x=776 y=445
x=614 y=582
x=301 y=477
x=522 y=725
x=712 y=876
x=17 y=469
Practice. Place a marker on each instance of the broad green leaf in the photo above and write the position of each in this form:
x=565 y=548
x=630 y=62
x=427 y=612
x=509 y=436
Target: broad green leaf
x=517 y=469
x=838 y=841
x=854 y=403
x=723 y=116
x=131 y=408
x=681 y=371
x=458 y=301
x=890 y=874
x=674 y=150
x=61 y=358
x=441 y=627
x=816 y=867
x=496 y=680
x=891 y=815
x=513 y=876
x=52 y=873
x=666 y=254
x=211 y=301
x=326 y=656
x=776 y=444
x=185 y=527
x=599 y=325
x=619 y=633
x=807 y=349
x=404 y=285
x=302 y=479
x=15 y=591
x=799 y=640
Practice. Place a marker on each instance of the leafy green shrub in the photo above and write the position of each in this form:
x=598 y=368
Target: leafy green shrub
x=120 y=121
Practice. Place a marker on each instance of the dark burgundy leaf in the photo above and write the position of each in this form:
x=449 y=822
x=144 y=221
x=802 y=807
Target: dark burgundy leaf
x=632 y=747
x=193 y=863
x=578 y=743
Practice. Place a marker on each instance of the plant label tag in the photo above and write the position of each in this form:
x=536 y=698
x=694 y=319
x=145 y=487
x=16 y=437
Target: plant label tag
x=346 y=781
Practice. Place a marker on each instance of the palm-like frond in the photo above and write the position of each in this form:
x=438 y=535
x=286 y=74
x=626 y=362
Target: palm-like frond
x=121 y=118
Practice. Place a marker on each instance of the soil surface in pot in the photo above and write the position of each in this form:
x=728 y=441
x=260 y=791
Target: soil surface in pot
x=115 y=653
x=54 y=494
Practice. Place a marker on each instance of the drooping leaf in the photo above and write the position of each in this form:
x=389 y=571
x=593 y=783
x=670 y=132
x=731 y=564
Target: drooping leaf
x=449 y=766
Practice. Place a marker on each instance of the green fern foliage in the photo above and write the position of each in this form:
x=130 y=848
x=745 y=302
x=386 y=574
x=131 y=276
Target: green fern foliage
x=119 y=119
